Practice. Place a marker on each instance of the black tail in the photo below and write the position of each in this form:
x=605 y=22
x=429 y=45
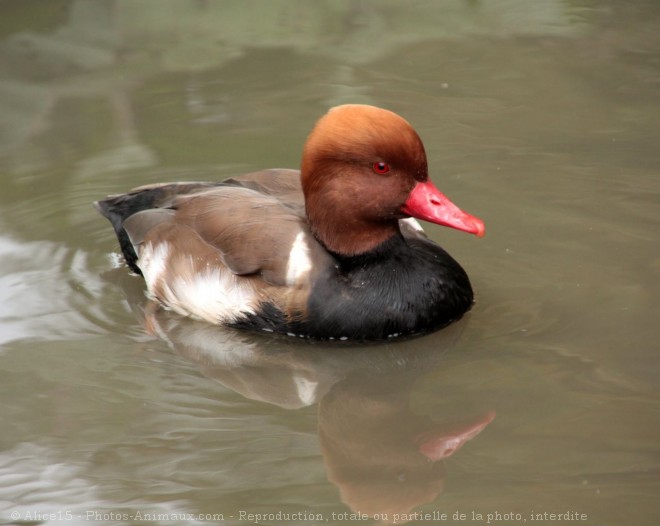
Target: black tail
x=117 y=208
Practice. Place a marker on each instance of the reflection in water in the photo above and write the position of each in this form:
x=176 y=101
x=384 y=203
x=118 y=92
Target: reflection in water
x=546 y=114
x=100 y=48
x=383 y=458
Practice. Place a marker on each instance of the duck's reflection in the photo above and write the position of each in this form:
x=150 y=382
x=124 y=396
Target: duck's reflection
x=382 y=456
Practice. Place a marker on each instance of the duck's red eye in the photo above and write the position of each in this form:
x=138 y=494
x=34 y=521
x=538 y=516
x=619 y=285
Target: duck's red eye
x=381 y=168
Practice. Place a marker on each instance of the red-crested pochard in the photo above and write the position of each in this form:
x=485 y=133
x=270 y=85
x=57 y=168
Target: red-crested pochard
x=327 y=252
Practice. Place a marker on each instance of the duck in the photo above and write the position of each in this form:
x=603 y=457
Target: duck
x=332 y=251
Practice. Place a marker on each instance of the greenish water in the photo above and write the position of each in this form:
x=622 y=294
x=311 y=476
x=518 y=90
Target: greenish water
x=539 y=117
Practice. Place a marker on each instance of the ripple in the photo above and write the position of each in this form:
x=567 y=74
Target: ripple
x=49 y=291
x=38 y=486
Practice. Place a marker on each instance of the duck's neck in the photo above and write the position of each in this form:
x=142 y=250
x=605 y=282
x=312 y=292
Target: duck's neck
x=351 y=236
x=379 y=253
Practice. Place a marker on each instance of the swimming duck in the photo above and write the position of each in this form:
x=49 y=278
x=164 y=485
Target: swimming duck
x=328 y=252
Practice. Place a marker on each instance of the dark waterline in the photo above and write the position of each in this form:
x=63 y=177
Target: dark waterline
x=541 y=119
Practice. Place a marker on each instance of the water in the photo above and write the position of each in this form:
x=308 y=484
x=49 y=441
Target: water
x=541 y=119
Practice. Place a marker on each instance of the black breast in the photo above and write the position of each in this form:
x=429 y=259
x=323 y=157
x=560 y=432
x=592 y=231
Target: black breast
x=404 y=287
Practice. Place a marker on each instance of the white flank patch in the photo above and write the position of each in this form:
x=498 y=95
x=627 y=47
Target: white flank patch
x=299 y=263
x=413 y=223
x=216 y=295
x=152 y=262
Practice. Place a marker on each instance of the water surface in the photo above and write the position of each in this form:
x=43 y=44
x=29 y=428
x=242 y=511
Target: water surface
x=541 y=119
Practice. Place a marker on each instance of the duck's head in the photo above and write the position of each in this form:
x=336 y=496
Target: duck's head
x=363 y=169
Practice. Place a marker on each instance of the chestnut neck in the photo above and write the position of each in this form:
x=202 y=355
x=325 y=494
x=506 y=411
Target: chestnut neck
x=349 y=236
x=349 y=212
